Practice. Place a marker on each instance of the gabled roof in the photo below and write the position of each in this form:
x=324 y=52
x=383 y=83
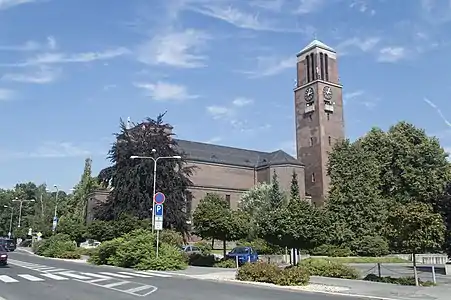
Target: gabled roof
x=316 y=44
x=234 y=156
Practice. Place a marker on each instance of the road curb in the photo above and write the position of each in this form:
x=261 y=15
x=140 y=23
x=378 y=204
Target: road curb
x=78 y=261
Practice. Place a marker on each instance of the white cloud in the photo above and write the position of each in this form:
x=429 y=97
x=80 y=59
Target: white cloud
x=177 y=49
x=436 y=11
x=242 y=101
x=61 y=58
x=43 y=76
x=30 y=46
x=392 y=54
x=274 y=5
x=6 y=94
x=51 y=149
x=363 y=44
x=219 y=112
x=51 y=42
x=352 y=95
x=438 y=110
x=5 y=4
x=163 y=91
x=309 y=6
x=270 y=66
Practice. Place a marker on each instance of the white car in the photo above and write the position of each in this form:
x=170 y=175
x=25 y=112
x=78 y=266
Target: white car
x=89 y=244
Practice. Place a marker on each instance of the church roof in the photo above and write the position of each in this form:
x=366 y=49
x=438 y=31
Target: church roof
x=315 y=44
x=234 y=156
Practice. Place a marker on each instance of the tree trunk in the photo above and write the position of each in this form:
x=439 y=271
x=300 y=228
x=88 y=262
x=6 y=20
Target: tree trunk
x=415 y=273
x=224 y=244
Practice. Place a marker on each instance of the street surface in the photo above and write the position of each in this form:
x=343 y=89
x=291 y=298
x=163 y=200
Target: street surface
x=30 y=277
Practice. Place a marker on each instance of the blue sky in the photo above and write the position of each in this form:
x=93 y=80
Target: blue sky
x=223 y=69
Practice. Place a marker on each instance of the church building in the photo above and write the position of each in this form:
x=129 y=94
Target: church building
x=319 y=123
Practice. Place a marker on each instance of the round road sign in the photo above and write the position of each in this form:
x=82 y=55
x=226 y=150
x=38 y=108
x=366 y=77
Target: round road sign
x=159 y=198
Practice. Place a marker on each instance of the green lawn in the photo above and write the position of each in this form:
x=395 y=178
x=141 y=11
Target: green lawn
x=360 y=260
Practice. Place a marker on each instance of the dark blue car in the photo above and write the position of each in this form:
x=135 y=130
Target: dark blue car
x=244 y=255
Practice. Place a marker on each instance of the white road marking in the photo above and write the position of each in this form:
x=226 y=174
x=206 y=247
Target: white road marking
x=97 y=275
x=135 y=274
x=7 y=279
x=54 y=270
x=69 y=274
x=115 y=275
x=53 y=276
x=153 y=273
x=137 y=289
x=44 y=268
x=30 y=277
x=115 y=284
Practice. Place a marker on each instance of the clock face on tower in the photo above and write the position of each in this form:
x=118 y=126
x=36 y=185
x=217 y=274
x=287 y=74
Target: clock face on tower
x=327 y=92
x=309 y=93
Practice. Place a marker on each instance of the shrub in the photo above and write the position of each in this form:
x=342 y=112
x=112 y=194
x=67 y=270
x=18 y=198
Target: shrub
x=70 y=255
x=135 y=247
x=171 y=237
x=87 y=251
x=396 y=280
x=331 y=250
x=204 y=247
x=271 y=273
x=293 y=276
x=326 y=268
x=105 y=251
x=55 y=246
x=259 y=272
x=225 y=263
x=371 y=246
x=169 y=258
x=201 y=260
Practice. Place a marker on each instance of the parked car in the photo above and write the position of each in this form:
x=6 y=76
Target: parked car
x=3 y=256
x=188 y=249
x=8 y=244
x=244 y=255
x=90 y=244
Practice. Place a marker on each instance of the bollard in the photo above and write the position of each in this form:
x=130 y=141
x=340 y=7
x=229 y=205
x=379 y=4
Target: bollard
x=434 y=279
x=379 y=273
x=237 y=264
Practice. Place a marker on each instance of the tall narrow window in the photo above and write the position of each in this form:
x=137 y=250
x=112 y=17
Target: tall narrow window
x=326 y=66
x=308 y=68
x=227 y=198
x=330 y=140
x=328 y=116
x=312 y=66
x=311 y=141
x=310 y=117
x=313 y=177
x=321 y=60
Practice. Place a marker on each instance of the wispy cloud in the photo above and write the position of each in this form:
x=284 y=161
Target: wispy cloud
x=176 y=49
x=5 y=4
x=62 y=58
x=362 y=44
x=54 y=149
x=242 y=101
x=164 y=91
x=42 y=76
x=274 y=5
x=310 y=6
x=219 y=112
x=6 y=94
x=270 y=66
x=31 y=45
x=392 y=54
x=438 y=110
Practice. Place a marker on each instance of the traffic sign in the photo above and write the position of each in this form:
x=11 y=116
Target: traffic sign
x=158 y=225
x=159 y=198
x=159 y=210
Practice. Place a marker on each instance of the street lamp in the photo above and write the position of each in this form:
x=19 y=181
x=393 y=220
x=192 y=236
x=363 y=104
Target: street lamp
x=10 y=220
x=55 y=218
x=21 y=201
x=155 y=160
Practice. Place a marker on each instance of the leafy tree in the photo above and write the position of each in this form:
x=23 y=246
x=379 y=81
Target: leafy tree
x=213 y=219
x=132 y=179
x=256 y=200
x=73 y=228
x=412 y=166
x=78 y=202
x=297 y=225
x=276 y=197
x=355 y=207
x=294 y=188
x=415 y=228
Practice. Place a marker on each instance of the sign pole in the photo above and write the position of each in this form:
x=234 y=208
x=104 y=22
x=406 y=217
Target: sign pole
x=158 y=205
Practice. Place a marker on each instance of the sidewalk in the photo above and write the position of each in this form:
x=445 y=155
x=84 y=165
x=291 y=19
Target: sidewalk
x=357 y=288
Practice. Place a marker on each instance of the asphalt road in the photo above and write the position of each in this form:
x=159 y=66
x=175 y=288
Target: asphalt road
x=30 y=277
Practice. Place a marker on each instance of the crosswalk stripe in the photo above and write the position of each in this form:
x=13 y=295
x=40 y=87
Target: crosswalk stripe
x=137 y=289
x=54 y=270
x=30 y=277
x=69 y=274
x=97 y=275
x=115 y=284
x=44 y=268
x=135 y=274
x=115 y=275
x=7 y=279
x=154 y=274
x=53 y=276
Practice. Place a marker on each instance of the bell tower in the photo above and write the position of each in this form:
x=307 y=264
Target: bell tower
x=318 y=113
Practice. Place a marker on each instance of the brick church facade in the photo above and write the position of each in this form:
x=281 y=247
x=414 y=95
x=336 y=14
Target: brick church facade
x=319 y=123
